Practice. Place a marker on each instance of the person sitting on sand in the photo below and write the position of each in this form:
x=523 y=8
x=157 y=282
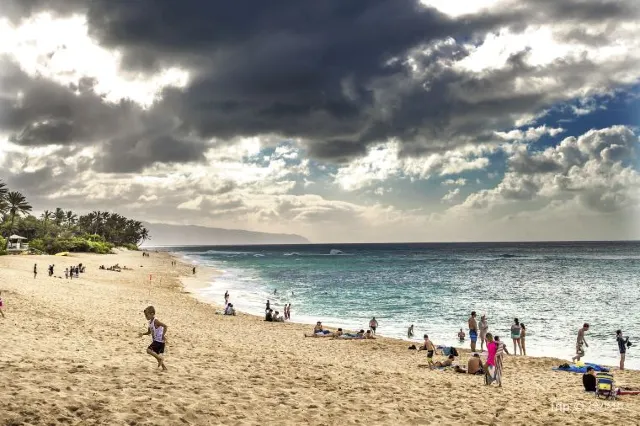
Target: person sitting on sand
x=277 y=317
x=318 y=331
x=157 y=330
x=474 y=366
x=269 y=316
x=461 y=336
x=589 y=380
x=446 y=363
x=338 y=333
x=230 y=310
x=369 y=335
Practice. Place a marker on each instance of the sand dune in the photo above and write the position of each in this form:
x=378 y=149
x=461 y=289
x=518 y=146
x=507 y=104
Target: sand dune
x=70 y=354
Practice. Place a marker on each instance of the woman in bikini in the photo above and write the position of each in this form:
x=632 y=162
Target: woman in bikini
x=515 y=336
x=523 y=334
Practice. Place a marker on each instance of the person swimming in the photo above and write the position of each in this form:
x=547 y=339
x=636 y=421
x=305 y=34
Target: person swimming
x=461 y=335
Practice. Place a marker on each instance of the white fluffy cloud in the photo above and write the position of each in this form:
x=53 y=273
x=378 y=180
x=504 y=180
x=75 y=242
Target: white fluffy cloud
x=385 y=161
x=596 y=168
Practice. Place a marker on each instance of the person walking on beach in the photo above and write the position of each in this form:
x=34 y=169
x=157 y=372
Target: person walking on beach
x=581 y=342
x=35 y=270
x=1 y=311
x=373 y=324
x=289 y=312
x=515 y=336
x=410 y=332
x=268 y=305
x=157 y=330
x=473 y=331
x=492 y=372
x=430 y=348
x=523 y=335
x=623 y=342
x=484 y=328
x=194 y=270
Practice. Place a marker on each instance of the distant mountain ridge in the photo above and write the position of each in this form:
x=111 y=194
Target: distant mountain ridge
x=163 y=234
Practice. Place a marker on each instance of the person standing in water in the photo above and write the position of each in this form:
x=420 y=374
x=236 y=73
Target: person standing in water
x=373 y=324
x=473 y=331
x=523 y=335
x=581 y=342
x=410 y=332
x=623 y=342
x=515 y=336
x=484 y=328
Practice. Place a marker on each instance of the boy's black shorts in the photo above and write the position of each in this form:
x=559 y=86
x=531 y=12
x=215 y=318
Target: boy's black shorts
x=157 y=347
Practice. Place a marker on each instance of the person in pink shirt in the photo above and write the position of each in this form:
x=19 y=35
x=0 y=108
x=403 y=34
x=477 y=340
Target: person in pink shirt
x=492 y=349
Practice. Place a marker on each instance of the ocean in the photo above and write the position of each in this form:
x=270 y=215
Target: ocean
x=553 y=288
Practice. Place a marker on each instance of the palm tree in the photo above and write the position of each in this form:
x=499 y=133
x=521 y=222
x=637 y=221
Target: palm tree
x=59 y=216
x=71 y=218
x=16 y=205
x=3 y=190
x=46 y=215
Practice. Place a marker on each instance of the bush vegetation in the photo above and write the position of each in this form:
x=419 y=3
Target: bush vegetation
x=58 y=230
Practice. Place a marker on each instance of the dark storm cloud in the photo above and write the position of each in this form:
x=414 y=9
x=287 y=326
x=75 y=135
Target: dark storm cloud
x=129 y=137
x=330 y=72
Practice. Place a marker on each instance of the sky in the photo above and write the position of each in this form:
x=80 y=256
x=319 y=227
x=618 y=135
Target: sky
x=358 y=121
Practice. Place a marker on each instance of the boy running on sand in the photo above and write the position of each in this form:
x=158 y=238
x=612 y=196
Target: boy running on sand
x=430 y=348
x=157 y=330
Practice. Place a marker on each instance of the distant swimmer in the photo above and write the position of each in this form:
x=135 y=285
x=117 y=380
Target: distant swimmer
x=461 y=335
x=410 y=332
x=275 y=291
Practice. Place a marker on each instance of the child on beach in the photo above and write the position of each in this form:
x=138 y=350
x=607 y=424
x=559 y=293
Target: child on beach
x=157 y=330
x=430 y=348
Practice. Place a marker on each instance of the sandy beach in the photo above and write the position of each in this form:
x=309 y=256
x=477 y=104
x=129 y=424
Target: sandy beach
x=70 y=354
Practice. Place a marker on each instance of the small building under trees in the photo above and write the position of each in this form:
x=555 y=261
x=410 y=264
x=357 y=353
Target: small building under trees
x=17 y=243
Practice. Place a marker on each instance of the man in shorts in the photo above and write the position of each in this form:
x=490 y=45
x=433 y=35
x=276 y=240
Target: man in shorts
x=581 y=342
x=157 y=330
x=473 y=331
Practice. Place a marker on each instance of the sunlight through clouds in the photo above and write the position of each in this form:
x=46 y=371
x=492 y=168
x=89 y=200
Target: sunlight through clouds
x=60 y=49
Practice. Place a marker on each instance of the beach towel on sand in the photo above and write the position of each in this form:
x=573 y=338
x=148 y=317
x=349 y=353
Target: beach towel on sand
x=583 y=369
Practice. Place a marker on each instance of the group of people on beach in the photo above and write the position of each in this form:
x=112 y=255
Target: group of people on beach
x=518 y=334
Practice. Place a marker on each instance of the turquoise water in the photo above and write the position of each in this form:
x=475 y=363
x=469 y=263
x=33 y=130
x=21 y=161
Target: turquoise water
x=552 y=287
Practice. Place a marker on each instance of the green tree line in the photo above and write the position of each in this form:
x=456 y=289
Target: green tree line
x=63 y=230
